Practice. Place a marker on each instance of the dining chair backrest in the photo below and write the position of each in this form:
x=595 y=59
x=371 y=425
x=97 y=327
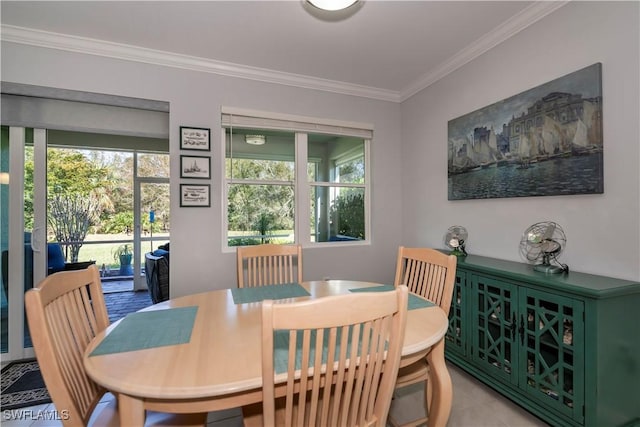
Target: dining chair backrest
x=427 y=272
x=343 y=350
x=65 y=311
x=269 y=264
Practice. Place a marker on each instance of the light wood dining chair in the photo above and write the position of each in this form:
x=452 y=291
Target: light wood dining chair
x=340 y=360
x=269 y=264
x=65 y=311
x=430 y=274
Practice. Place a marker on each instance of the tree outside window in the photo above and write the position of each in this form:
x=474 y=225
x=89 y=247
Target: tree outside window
x=260 y=193
x=91 y=192
x=262 y=189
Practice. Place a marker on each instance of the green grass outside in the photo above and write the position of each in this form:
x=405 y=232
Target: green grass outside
x=236 y=238
x=102 y=253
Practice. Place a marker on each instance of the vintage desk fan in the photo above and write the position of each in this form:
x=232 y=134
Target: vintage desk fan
x=541 y=245
x=455 y=238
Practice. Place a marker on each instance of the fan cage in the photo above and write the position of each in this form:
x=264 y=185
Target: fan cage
x=541 y=244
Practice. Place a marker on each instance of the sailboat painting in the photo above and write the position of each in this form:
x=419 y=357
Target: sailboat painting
x=198 y=167
x=546 y=141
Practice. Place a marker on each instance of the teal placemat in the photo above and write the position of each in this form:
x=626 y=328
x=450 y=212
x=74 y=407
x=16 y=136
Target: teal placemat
x=414 y=301
x=148 y=329
x=261 y=293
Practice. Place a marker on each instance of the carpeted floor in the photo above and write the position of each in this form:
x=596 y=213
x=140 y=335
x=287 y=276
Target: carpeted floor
x=22 y=385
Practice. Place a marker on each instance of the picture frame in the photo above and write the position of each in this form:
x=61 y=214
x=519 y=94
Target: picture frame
x=194 y=138
x=195 y=167
x=545 y=141
x=195 y=195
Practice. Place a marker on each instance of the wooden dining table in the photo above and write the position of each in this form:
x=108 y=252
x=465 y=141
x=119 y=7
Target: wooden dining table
x=220 y=365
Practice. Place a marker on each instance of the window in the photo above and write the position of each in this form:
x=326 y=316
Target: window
x=337 y=181
x=288 y=182
x=260 y=187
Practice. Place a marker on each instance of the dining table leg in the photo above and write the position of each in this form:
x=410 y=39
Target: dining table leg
x=442 y=388
x=131 y=410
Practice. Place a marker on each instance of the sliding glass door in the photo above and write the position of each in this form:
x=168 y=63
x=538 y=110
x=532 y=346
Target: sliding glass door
x=152 y=222
x=23 y=231
x=72 y=163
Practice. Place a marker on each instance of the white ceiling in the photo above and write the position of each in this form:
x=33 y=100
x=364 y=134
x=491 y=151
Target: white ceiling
x=380 y=49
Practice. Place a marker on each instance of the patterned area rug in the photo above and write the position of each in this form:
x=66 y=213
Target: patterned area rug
x=22 y=385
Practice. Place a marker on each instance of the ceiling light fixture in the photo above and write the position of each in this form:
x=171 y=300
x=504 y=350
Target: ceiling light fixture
x=255 y=139
x=332 y=5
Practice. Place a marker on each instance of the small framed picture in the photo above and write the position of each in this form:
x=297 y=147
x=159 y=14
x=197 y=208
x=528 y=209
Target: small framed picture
x=197 y=167
x=195 y=195
x=195 y=139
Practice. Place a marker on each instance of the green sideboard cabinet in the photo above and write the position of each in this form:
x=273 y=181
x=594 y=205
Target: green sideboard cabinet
x=566 y=346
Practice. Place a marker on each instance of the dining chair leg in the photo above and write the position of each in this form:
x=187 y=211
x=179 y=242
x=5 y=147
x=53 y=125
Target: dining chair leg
x=428 y=393
x=442 y=396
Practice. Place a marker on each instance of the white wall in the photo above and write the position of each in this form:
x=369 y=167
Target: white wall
x=603 y=231
x=409 y=200
x=197 y=260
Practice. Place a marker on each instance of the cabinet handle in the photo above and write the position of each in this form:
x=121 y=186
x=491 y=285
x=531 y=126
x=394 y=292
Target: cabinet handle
x=522 y=330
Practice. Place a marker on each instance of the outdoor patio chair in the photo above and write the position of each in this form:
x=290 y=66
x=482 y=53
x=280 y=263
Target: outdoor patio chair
x=55 y=263
x=56 y=260
x=156 y=271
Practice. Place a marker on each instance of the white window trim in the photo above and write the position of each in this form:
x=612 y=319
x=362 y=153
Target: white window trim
x=302 y=125
x=302 y=197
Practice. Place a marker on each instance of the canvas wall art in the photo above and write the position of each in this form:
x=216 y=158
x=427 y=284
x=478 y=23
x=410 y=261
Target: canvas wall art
x=545 y=141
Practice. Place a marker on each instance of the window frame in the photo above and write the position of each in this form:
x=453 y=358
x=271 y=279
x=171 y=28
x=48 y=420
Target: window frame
x=302 y=186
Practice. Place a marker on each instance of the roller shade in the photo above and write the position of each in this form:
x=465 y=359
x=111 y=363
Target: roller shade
x=243 y=118
x=61 y=109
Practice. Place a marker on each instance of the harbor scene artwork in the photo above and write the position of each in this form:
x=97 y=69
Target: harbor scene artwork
x=546 y=141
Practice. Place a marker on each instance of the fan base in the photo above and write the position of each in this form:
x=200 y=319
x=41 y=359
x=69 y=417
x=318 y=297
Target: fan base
x=547 y=268
x=458 y=252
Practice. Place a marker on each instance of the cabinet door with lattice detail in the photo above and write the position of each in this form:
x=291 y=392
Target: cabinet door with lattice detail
x=494 y=317
x=553 y=351
x=455 y=339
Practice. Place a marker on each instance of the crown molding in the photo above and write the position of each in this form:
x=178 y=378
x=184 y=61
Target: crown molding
x=50 y=40
x=46 y=39
x=509 y=28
